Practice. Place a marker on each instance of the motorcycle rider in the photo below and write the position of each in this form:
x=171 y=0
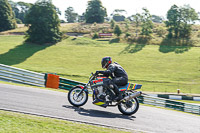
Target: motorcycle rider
x=116 y=72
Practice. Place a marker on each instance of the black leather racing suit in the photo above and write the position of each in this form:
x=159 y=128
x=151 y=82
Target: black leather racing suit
x=118 y=75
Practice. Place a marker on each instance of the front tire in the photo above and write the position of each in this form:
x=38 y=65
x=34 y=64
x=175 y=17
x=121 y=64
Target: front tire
x=74 y=99
x=129 y=107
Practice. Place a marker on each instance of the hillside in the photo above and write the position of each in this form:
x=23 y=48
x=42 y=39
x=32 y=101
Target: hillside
x=157 y=67
x=88 y=30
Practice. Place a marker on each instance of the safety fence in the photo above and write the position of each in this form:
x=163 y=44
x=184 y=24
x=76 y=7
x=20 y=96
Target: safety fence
x=172 y=104
x=12 y=74
x=68 y=84
x=17 y=75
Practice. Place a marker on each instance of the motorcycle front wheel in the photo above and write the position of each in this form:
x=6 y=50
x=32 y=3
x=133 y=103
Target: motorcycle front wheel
x=76 y=100
x=129 y=107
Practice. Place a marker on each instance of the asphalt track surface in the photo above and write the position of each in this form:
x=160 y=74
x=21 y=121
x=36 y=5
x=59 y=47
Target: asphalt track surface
x=55 y=104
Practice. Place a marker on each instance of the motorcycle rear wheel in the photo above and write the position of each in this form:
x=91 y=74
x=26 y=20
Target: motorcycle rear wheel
x=130 y=107
x=74 y=99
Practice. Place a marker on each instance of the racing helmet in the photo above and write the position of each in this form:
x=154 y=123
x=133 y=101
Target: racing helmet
x=106 y=61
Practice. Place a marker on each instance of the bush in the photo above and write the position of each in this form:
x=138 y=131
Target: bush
x=127 y=35
x=161 y=31
x=95 y=36
x=198 y=34
x=117 y=30
x=112 y=24
x=18 y=21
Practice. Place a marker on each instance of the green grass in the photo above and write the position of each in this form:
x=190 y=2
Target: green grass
x=158 y=68
x=189 y=101
x=21 y=123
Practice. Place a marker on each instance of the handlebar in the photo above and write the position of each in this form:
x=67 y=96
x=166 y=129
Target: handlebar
x=95 y=75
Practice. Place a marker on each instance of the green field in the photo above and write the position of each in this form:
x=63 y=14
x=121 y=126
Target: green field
x=159 y=68
x=21 y=123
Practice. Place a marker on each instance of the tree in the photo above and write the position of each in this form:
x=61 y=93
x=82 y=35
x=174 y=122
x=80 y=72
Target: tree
x=7 y=19
x=43 y=23
x=112 y=24
x=180 y=20
x=147 y=24
x=14 y=7
x=117 y=30
x=18 y=21
x=157 y=19
x=137 y=20
x=127 y=22
x=81 y=18
x=20 y=9
x=23 y=10
x=173 y=22
x=95 y=12
x=70 y=15
x=188 y=18
x=118 y=15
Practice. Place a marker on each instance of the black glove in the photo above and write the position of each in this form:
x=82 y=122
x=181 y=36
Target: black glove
x=97 y=72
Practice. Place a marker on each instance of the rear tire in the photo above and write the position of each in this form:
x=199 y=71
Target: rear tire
x=74 y=99
x=130 y=107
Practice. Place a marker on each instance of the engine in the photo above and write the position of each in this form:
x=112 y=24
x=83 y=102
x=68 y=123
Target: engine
x=100 y=92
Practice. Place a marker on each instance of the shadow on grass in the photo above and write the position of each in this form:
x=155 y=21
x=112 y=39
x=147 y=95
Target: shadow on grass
x=103 y=40
x=133 y=48
x=167 y=45
x=20 y=53
x=115 y=40
x=175 y=45
x=136 y=44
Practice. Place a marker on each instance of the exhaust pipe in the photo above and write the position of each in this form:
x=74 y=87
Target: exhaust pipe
x=136 y=94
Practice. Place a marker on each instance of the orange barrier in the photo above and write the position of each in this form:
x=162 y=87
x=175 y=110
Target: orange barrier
x=52 y=81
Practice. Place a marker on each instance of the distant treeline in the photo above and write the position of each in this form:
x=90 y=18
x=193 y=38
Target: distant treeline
x=179 y=20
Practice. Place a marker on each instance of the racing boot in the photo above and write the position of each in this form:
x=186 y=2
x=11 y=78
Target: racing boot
x=118 y=95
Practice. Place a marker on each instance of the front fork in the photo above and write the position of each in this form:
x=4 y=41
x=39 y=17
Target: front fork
x=83 y=89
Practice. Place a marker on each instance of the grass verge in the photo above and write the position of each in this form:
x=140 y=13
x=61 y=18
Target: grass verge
x=15 y=122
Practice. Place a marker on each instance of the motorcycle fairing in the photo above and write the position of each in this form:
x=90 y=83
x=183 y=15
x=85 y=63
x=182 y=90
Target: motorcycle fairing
x=130 y=86
x=96 y=82
x=99 y=81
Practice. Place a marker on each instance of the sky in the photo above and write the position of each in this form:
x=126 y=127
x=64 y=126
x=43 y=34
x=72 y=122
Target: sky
x=156 y=7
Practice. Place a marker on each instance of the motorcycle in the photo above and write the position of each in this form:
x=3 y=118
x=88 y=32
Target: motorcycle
x=104 y=96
